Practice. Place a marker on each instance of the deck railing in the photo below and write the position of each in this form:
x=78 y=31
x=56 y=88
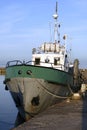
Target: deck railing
x=18 y=62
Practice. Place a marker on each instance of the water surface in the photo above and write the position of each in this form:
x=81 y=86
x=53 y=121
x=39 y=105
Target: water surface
x=8 y=110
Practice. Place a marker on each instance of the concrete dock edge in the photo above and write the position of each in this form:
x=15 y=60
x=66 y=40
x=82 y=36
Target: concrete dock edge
x=62 y=116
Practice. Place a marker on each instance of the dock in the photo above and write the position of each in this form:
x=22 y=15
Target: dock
x=67 y=115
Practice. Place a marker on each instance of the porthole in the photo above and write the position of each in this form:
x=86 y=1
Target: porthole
x=19 y=72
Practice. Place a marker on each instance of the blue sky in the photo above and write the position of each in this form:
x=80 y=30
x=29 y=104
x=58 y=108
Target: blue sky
x=24 y=24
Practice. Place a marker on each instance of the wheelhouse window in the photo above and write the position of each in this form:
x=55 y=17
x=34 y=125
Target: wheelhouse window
x=37 y=61
x=57 y=61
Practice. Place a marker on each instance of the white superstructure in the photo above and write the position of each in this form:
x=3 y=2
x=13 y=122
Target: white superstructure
x=52 y=54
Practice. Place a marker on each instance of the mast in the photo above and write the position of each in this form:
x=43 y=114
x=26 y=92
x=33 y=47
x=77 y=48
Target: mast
x=56 y=34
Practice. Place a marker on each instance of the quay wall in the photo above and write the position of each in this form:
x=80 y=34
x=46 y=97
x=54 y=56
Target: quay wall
x=67 y=115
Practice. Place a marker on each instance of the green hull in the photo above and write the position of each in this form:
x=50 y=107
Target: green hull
x=47 y=74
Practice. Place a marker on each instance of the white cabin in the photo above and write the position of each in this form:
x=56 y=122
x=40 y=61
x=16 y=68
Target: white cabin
x=51 y=55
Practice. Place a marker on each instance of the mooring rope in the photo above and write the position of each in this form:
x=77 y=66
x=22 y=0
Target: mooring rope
x=52 y=94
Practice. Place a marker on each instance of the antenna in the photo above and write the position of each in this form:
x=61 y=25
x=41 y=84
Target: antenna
x=50 y=32
x=55 y=16
x=56 y=34
x=56 y=7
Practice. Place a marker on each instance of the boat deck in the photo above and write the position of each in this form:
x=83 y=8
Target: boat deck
x=63 y=116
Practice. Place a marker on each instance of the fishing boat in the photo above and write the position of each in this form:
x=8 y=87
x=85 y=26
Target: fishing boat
x=45 y=80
